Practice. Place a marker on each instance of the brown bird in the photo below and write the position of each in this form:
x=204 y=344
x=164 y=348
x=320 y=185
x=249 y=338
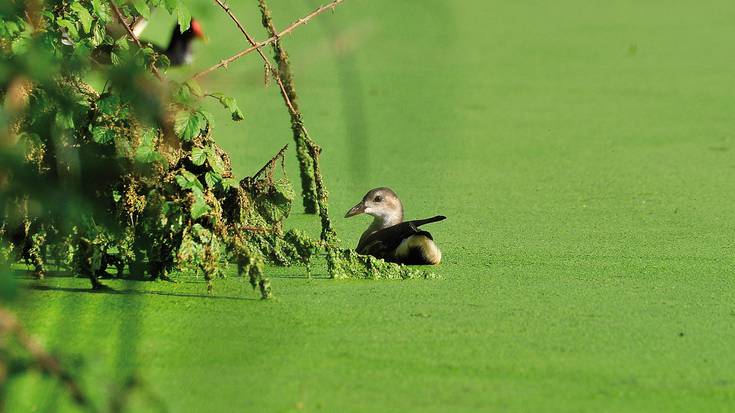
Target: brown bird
x=389 y=237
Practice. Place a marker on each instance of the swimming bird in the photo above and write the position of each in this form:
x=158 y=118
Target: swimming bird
x=389 y=237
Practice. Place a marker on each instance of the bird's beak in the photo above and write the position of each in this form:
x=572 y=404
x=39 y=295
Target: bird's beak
x=356 y=210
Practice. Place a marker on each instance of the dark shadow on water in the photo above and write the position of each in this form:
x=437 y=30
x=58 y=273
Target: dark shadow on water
x=28 y=274
x=300 y=277
x=112 y=291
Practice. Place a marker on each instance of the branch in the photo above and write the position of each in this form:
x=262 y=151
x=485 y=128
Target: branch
x=272 y=162
x=267 y=63
x=270 y=40
x=120 y=17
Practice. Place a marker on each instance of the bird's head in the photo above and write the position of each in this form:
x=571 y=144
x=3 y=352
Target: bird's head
x=196 y=29
x=381 y=203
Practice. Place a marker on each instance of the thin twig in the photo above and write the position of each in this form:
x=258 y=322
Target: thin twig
x=121 y=18
x=227 y=10
x=270 y=40
x=271 y=162
x=268 y=67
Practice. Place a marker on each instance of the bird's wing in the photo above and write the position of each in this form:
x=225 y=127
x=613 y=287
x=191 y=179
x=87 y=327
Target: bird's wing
x=376 y=248
x=384 y=242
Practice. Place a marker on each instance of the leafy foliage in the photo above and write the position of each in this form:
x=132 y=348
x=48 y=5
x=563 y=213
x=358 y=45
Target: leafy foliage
x=128 y=178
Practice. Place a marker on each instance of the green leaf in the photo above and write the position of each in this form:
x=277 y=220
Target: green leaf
x=187 y=176
x=188 y=125
x=109 y=105
x=197 y=189
x=147 y=51
x=162 y=61
x=198 y=156
x=142 y=8
x=115 y=59
x=103 y=135
x=122 y=43
x=184 y=96
x=101 y=10
x=199 y=207
x=200 y=232
x=70 y=27
x=146 y=152
x=230 y=183
x=188 y=180
x=181 y=180
x=183 y=16
x=230 y=104
x=194 y=87
x=212 y=179
x=237 y=115
x=215 y=162
x=98 y=34
x=171 y=5
x=148 y=137
x=84 y=17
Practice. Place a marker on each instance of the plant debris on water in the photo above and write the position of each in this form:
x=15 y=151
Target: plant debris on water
x=129 y=181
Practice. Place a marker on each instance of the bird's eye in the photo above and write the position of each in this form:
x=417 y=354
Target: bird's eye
x=378 y=198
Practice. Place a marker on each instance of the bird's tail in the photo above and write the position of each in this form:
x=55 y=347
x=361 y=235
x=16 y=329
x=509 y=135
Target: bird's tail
x=419 y=222
x=419 y=249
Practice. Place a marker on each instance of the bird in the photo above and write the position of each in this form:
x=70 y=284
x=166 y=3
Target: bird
x=179 y=50
x=391 y=238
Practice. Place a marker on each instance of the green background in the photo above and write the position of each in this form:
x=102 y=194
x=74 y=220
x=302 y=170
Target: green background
x=582 y=152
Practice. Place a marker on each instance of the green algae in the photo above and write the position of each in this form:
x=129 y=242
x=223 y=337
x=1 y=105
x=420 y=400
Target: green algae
x=589 y=223
x=346 y=263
